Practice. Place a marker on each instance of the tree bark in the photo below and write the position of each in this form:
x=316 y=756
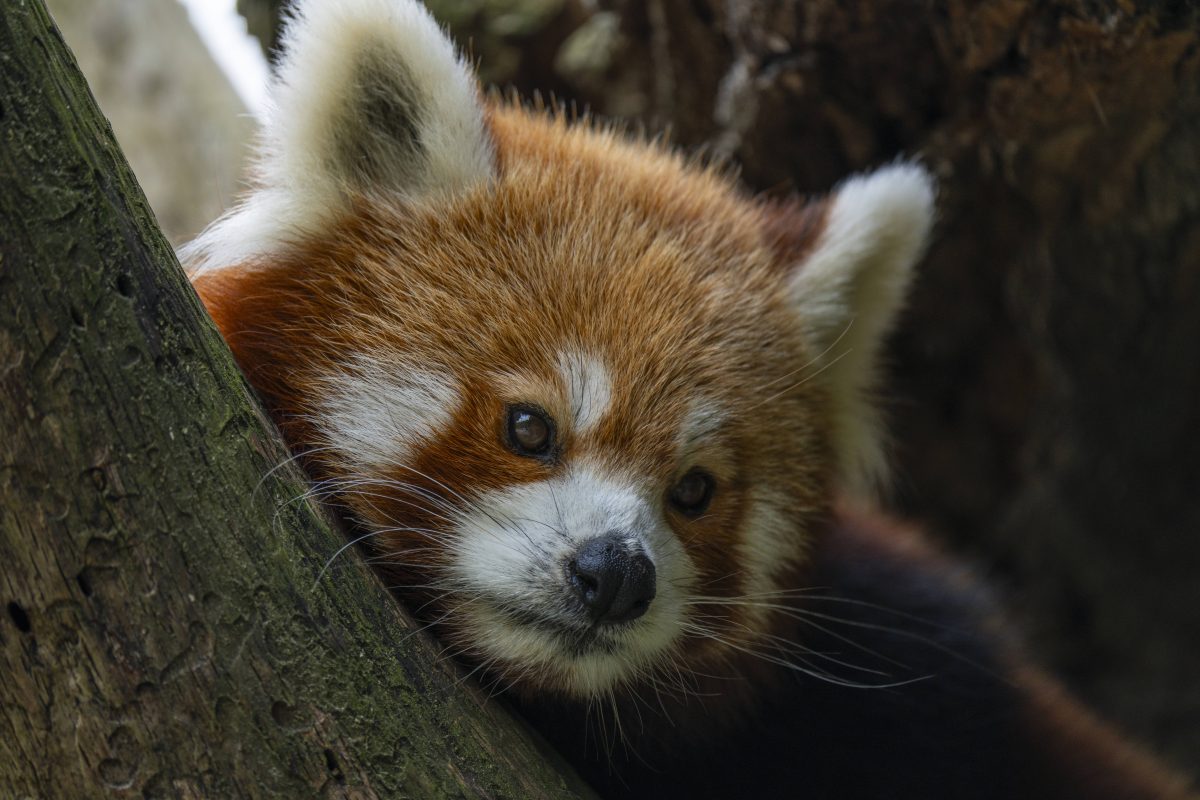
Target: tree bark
x=1044 y=386
x=168 y=628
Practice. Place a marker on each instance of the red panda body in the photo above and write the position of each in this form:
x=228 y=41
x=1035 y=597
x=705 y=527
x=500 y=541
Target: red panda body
x=589 y=406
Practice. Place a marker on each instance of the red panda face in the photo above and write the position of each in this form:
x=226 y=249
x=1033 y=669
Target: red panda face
x=581 y=400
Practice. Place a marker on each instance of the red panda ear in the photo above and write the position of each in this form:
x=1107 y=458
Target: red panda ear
x=847 y=290
x=370 y=97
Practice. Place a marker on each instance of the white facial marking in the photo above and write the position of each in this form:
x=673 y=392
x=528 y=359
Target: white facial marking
x=701 y=423
x=511 y=553
x=375 y=415
x=589 y=390
x=771 y=543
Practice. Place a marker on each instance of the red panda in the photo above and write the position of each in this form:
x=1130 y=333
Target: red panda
x=595 y=411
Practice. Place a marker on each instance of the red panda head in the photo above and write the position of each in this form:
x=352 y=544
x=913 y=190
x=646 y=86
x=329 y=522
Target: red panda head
x=584 y=399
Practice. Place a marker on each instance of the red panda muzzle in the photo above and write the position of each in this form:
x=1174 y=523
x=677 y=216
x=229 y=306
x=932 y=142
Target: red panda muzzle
x=614 y=583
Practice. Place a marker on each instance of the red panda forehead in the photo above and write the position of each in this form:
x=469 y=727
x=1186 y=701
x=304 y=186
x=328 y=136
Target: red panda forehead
x=519 y=275
x=584 y=257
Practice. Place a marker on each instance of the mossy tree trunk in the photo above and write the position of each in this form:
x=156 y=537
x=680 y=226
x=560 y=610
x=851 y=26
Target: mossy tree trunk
x=163 y=631
x=1045 y=384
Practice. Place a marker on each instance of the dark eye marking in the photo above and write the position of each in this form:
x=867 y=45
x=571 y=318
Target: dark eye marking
x=530 y=431
x=692 y=494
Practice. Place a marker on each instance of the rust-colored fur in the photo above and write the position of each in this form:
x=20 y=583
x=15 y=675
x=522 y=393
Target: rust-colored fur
x=418 y=265
x=704 y=277
x=392 y=278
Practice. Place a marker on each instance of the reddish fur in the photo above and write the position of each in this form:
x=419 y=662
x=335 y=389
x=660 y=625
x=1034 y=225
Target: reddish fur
x=704 y=268
x=1080 y=755
x=676 y=243
x=792 y=226
x=1072 y=752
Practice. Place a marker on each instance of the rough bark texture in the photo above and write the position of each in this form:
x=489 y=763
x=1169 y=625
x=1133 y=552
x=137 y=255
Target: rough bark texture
x=166 y=628
x=1044 y=386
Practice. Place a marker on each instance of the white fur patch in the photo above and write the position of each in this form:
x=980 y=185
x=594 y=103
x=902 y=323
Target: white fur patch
x=589 y=390
x=512 y=548
x=304 y=173
x=701 y=423
x=376 y=415
x=848 y=292
x=771 y=543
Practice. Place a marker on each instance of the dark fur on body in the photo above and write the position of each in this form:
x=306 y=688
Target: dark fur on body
x=928 y=698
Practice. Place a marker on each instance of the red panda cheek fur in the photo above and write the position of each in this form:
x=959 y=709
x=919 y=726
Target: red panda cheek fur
x=450 y=262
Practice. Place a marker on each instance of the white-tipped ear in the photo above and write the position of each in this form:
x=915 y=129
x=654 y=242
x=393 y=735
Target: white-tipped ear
x=848 y=291
x=370 y=97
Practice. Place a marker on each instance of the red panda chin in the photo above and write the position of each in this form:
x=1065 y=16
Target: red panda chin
x=579 y=665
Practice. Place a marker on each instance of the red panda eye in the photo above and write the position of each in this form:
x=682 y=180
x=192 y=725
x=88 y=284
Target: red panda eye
x=692 y=494
x=530 y=431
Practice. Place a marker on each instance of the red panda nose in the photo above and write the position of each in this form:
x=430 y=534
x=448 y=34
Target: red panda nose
x=613 y=583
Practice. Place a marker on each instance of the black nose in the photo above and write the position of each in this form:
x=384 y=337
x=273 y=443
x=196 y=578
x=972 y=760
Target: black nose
x=614 y=583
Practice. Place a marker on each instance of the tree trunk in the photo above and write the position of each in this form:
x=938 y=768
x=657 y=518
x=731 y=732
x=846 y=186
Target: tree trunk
x=168 y=628
x=1045 y=388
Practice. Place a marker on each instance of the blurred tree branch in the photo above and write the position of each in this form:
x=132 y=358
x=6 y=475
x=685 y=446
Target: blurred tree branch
x=180 y=122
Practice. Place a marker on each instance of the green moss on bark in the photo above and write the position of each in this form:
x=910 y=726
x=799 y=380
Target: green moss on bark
x=163 y=633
